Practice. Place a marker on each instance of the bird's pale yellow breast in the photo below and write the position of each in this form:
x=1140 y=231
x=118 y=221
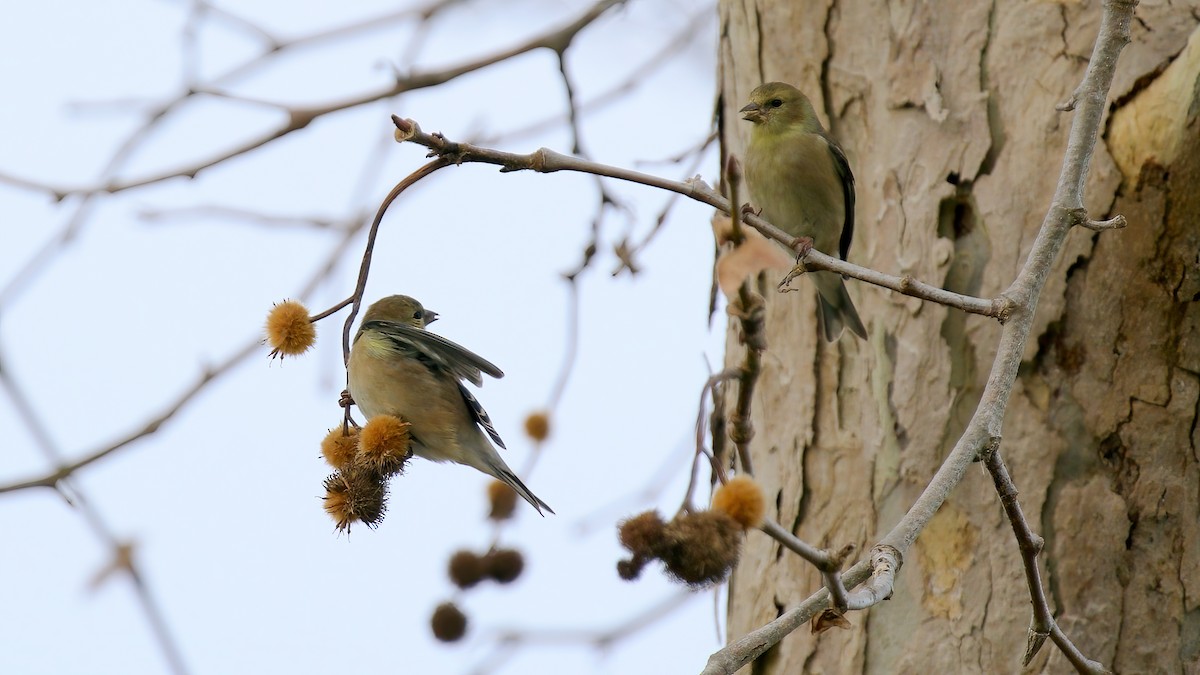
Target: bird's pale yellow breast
x=385 y=382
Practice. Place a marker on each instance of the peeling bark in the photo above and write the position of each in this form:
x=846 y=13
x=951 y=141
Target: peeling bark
x=949 y=121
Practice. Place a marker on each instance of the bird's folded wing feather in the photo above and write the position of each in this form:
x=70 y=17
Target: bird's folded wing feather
x=437 y=352
x=480 y=415
x=842 y=165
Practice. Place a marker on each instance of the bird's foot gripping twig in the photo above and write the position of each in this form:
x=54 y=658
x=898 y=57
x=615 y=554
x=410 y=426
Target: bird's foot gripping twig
x=802 y=246
x=345 y=401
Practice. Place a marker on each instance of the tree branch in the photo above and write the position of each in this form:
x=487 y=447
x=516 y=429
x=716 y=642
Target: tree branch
x=985 y=425
x=1043 y=624
x=545 y=160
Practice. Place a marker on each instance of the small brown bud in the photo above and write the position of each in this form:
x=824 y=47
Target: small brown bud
x=466 y=569
x=448 y=622
x=630 y=569
x=741 y=499
x=537 y=426
x=503 y=500
x=701 y=548
x=504 y=565
x=642 y=534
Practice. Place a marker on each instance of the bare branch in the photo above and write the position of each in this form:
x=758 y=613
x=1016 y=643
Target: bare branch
x=545 y=160
x=1043 y=624
x=365 y=268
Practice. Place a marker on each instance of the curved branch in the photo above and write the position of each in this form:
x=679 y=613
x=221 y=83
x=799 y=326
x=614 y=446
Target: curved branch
x=545 y=160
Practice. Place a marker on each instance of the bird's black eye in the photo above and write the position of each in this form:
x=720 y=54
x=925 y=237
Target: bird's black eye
x=775 y=102
x=418 y=314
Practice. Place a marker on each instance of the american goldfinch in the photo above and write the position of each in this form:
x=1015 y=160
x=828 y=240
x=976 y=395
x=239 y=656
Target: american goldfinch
x=801 y=180
x=398 y=368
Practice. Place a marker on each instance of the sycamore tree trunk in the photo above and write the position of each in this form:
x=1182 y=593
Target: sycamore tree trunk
x=946 y=111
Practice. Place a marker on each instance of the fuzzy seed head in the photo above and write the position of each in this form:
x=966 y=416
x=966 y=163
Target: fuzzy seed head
x=357 y=496
x=741 y=499
x=504 y=565
x=384 y=445
x=466 y=569
x=641 y=534
x=289 y=332
x=537 y=426
x=503 y=500
x=448 y=622
x=630 y=569
x=701 y=548
x=339 y=449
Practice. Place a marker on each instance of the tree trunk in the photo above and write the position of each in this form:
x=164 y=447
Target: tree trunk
x=947 y=114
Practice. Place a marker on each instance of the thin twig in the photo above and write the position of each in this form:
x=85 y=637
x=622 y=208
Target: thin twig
x=710 y=384
x=364 y=268
x=600 y=639
x=545 y=160
x=751 y=310
x=1043 y=624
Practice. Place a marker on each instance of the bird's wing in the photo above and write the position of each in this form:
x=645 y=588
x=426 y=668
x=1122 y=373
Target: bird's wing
x=843 y=170
x=480 y=415
x=436 y=352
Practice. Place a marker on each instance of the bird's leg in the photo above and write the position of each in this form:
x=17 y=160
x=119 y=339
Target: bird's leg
x=345 y=401
x=748 y=210
x=801 y=245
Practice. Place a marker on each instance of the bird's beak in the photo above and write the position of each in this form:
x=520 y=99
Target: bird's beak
x=430 y=316
x=753 y=113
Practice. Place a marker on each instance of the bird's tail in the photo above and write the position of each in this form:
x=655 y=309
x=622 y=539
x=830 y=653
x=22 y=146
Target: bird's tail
x=510 y=479
x=835 y=310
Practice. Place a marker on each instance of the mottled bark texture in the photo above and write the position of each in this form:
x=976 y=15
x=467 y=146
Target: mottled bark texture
x=947 y=113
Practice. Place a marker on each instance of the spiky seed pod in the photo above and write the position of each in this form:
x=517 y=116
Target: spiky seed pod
x=741 y=499
x=503 y=565
x=701 y=548
x=448 y=622
x=630 y=569
x=503 y=500
x=339 y=449
x=641 y=534
x=289 y=331
x=537 y=426
x=357 y=496
x=384 y=444
x=466 y=569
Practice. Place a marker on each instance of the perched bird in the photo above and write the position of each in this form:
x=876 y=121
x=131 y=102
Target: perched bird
x=801 y=180
x=398 y=368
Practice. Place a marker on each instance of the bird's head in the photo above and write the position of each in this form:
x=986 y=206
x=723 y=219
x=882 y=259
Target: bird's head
x=778 y=106
x=400 y=309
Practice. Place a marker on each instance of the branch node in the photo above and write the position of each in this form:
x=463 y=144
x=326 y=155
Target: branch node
x=1115 y=223
x=740 y=429
x=839 y=559
x=1002 y=308
x=405 y=128
x=1033 y=644
x=989 y=448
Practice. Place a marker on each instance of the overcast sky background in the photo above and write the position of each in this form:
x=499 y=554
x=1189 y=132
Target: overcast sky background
x=223 y=502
